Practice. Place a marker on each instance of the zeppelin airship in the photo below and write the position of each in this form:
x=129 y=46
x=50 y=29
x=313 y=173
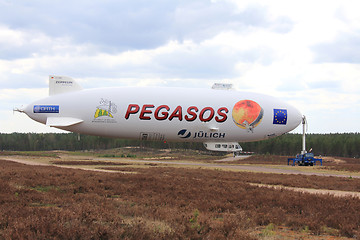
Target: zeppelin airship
x=220 y=117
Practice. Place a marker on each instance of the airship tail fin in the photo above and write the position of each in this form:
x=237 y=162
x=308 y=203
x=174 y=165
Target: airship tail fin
x=62 y=84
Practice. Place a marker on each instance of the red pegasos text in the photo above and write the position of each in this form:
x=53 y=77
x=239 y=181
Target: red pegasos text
x=164 y=112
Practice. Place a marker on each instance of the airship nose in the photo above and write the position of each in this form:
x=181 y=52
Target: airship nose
x=28 y=110
x=294 y=118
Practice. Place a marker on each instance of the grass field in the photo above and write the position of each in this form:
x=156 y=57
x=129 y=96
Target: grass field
x=156 y=202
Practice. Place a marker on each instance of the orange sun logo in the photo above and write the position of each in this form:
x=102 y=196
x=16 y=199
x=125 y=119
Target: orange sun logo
x=247 y=114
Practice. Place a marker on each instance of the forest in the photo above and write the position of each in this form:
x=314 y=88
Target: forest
x=335 y=144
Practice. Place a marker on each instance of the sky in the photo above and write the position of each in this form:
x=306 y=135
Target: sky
x=306 y=53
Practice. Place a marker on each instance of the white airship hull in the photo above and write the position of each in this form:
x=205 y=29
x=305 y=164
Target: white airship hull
x=167 y=114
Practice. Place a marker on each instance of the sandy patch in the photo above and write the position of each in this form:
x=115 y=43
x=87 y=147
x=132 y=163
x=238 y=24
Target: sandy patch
x=35 y=161
x=336 y=193
x=332 y=159
x=231 y=159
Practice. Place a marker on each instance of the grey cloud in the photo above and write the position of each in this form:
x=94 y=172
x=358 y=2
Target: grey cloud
x=330 y=85
x=291 y=85
x=27 y=80
x=344 y=49
x=199 y=20
x=11 y=53
x=201 y=62
x=298 y=84
x=202 y=65
x=115 y=26
x=282 y=25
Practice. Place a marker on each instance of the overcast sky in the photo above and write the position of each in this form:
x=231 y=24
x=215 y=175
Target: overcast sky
x=304 y=52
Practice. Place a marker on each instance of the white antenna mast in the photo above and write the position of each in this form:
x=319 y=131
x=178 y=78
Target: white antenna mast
x=305 y=126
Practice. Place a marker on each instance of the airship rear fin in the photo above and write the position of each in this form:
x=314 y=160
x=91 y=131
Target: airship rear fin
x=62 y=84
x=62 y=121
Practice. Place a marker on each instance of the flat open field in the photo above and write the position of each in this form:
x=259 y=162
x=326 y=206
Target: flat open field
x=173 y=194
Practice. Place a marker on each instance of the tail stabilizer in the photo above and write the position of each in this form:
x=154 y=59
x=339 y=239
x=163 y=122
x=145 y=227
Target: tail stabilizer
x=62 y=84
x=62 y=121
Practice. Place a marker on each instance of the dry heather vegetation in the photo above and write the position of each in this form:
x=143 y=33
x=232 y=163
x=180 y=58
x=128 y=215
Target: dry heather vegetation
x=40 y=202
x=330 y=163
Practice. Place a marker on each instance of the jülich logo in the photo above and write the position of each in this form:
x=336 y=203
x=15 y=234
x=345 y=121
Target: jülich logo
x=184 y=133
x=46 y=108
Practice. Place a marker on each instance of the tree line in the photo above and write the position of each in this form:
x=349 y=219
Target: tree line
x=338 y=144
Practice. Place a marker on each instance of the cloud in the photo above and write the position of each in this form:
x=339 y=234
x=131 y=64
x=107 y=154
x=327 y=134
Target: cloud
x=344 y=49
x=212 y=59
x=134 y=39
x=303 y=52
x=117 y=26
x=11 y=98
x=18 y=98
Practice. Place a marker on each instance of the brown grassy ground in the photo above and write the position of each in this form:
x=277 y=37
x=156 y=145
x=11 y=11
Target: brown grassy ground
x=289 y=180
x=333 y=163
x=342 y=164
x=39 y=202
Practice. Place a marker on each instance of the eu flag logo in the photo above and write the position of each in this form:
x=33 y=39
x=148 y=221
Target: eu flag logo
x=280 y=116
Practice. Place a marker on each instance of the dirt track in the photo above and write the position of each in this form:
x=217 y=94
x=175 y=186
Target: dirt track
x=32 y=162
x=251 y=168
